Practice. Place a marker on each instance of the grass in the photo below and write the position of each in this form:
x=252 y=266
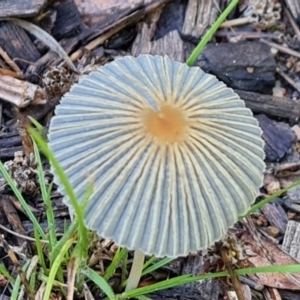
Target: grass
x=63 y=264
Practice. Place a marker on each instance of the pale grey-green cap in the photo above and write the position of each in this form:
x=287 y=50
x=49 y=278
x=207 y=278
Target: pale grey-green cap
x=173 y=154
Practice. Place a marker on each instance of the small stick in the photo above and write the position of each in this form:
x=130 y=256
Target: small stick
x=282 y=48
x=292 y=22
x=236 y=22
x=25 y=237
x=247 y=35
x=10 y=73
x=228 y=264
x=286 y=167
x=11 y=63
x=288 y=79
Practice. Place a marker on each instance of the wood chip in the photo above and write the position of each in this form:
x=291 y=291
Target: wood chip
x=296 y=129
x=271 y=184
x=20 y=93
x=291 y=241
x=199 y=15
x=17 y=44
x=230 y=62
x=276 y=216
x=275 y=106
x=277 y=136
x=294 y=7
x=273 y=231
x=25 y=8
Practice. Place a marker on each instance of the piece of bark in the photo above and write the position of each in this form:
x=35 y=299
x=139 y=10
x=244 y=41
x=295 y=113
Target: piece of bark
x=60 y=210
x=199 y=15
x=291 y=241
x=278 y=139
x=194 y=264
x=294 y=7
x=271 y=184
x=208 y=289
x=12 y=217
x=292 y=195
x=39 y=113
x=10 y=140
x=9 y=152
x=172 y=18
x=67 y=19
x=244 y=65
x=23 y=8
x=289 y=295
x=104 y=13
x=180 y=292
x=59 y=225
x=169 y=44
x=264 y=233
x=270 y=293
x=69 y=44
x=16 y=43
x=273 y=106
x=37 y=68
x=273 y=231
x=251 y=283
x=123 y=39
x=146 y=29
x=100 y=35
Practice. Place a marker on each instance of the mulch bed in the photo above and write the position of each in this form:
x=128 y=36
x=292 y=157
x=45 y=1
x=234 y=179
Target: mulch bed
x=256 y=53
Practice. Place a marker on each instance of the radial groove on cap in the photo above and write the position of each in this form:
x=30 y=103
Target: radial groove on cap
x=173 y=154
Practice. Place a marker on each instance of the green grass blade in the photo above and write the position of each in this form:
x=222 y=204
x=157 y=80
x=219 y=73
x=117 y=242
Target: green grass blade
x=55 y=267
x=209 y=34
x=155 y=287
x=33 y=279
x=149 y=262
x=17 y=285
x=6 y=274
x=84 y=233
x=62 y=177
x=189 y=279
x=25 y=206
x=39 y=127
x=40 y=252
x=269 y=269
x=152 y=268
x=113 y=265
x=269 y=199
x=67 y=236
x=124 y=270
x=100 y=282
x=42 y=258
x=46 y=199
x=157 y=265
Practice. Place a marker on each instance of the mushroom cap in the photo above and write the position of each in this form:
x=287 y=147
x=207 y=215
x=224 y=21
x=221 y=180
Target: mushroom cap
x=173 y=154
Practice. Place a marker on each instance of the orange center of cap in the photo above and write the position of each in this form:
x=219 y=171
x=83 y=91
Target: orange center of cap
x=166 y=125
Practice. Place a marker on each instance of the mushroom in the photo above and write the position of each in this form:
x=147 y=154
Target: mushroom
x=174 y=156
